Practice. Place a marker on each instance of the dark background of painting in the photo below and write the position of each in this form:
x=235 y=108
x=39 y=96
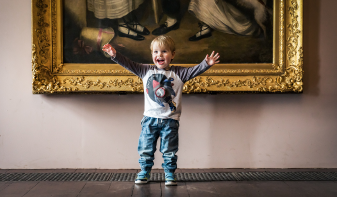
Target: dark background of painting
x=232 y=48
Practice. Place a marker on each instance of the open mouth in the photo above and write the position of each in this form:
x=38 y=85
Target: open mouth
x=160 y=61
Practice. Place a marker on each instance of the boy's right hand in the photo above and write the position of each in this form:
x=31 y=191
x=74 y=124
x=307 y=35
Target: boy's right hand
x=109 y=50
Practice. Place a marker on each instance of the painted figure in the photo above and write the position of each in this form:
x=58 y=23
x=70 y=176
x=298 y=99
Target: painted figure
x=227 y=16
x=171 y=9
x=128 y=25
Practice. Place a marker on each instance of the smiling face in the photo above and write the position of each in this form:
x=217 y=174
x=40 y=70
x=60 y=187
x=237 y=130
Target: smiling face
x=162 y=55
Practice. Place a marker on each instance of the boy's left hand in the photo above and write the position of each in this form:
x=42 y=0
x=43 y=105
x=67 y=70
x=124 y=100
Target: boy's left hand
x=212 y=59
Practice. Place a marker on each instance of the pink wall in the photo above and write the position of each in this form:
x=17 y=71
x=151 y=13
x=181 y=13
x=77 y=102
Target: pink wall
x=217 y=131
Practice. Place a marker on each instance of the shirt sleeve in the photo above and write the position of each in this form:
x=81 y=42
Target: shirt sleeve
x=136 y=68
x=187 y=73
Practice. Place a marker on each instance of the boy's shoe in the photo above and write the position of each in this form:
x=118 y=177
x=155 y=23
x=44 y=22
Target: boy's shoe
x=142 y=177
x=170 y=179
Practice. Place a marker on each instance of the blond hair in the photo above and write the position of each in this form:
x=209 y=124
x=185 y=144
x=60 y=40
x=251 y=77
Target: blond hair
x=164 y=40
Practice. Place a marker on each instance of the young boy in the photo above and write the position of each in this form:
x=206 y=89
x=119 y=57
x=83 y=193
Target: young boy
x=163 y=85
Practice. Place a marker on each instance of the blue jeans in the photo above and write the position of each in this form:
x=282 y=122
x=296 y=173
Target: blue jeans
x=152 y=129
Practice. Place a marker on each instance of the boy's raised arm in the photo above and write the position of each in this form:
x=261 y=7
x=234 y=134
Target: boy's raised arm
x=187 y=73
x=134 y=67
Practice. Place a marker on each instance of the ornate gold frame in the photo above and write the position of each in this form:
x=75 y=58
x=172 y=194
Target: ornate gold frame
x=51 y=76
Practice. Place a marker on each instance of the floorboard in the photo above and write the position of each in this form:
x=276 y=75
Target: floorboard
x=147 y=190
x=174 y=191
x=314 y=188
x=17 y=189
x=201 y=189
x=3 y=185
x=94 y=189
x=43 y=189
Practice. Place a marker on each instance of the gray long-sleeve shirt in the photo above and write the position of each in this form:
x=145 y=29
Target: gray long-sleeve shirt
x=162 y=88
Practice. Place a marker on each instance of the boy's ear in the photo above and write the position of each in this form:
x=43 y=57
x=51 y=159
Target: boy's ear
x=173 y=53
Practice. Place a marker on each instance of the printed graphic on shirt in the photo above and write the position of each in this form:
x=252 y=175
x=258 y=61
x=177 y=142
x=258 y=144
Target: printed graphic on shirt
x=159 y=88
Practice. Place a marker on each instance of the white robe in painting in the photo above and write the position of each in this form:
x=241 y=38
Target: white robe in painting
x=224 y=17
x=112 y=9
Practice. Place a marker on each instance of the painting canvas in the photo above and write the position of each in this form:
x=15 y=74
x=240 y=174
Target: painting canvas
x=240 y=30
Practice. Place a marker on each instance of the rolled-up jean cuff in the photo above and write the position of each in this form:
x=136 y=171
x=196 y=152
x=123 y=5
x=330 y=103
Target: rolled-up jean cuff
x=146 y=169
x=169 y=171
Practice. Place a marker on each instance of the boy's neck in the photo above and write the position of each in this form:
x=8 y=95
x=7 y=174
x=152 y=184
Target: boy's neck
x=166 y=68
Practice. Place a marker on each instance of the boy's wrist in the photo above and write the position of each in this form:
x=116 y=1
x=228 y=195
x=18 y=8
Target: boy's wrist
x=207 y=63
x=114 y=56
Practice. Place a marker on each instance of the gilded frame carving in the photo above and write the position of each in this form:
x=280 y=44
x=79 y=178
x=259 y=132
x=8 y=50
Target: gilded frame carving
x=51 y=76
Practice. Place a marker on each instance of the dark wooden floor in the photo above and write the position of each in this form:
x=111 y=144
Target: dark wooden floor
x=184 y=189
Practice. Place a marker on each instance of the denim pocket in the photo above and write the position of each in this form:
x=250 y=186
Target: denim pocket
x=174 y=124
x=143 y=120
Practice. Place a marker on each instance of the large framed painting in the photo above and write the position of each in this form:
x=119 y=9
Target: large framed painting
x=260 y=43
